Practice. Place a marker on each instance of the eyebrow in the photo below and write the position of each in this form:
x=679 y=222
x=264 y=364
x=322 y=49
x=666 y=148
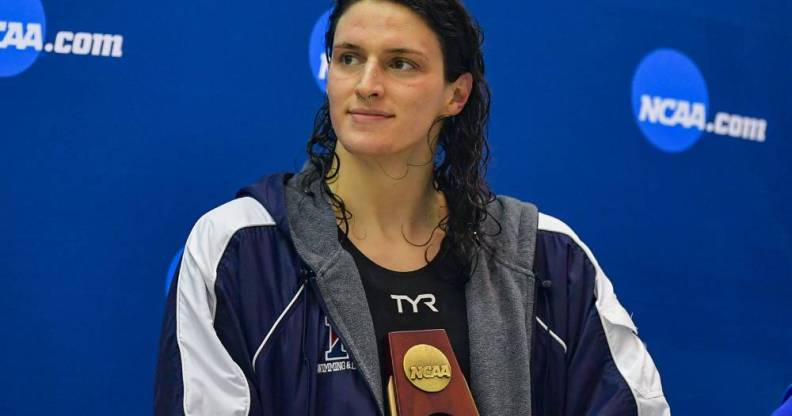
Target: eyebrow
x=352 y=46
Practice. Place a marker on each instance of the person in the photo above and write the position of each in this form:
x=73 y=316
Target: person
x=284 y=295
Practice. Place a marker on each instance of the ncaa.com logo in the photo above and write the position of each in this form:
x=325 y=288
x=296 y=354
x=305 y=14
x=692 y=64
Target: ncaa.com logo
x=316 y=51
x=670 y=102
x=22 y=33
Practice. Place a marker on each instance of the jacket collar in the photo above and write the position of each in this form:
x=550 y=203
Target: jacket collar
x=314 y=232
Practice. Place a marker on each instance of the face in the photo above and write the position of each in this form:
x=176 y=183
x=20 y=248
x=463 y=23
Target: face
x=386 y=83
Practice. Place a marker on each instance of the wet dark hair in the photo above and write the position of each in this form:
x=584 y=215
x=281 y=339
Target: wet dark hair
x=462 y=155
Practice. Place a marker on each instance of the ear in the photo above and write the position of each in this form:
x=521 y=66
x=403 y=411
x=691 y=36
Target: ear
x=460 y=92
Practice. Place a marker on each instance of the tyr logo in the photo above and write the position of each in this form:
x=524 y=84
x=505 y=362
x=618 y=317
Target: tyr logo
x=428 y=300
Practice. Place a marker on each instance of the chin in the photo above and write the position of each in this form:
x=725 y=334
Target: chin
x=362 y=144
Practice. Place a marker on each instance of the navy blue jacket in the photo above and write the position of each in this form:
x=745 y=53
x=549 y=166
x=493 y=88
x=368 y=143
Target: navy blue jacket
x=267 y=316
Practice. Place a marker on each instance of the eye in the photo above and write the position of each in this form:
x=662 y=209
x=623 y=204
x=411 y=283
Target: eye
x=347 y=59
x=403 y=64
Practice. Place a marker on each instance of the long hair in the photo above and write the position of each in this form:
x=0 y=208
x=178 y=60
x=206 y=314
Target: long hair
x=462 y=155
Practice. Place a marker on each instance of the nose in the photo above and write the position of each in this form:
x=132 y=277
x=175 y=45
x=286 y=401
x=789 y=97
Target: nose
x=369 y=85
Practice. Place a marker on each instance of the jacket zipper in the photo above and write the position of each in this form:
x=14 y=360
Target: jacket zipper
x=310 y=276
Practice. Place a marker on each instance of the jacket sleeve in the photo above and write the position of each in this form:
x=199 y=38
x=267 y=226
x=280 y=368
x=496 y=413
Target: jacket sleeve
x=592 y=355
x=196 y=374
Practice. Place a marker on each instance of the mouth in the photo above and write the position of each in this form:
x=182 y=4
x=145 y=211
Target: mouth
x=369 y=116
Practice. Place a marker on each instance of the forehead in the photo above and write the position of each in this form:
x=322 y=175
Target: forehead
x=375 y=24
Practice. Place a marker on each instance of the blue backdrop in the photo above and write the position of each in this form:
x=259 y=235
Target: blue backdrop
x=660 y=130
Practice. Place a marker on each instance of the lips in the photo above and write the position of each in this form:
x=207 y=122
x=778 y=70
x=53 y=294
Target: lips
x=369 y=116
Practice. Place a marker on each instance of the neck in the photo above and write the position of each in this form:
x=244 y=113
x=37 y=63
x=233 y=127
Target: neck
x=388 y=199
